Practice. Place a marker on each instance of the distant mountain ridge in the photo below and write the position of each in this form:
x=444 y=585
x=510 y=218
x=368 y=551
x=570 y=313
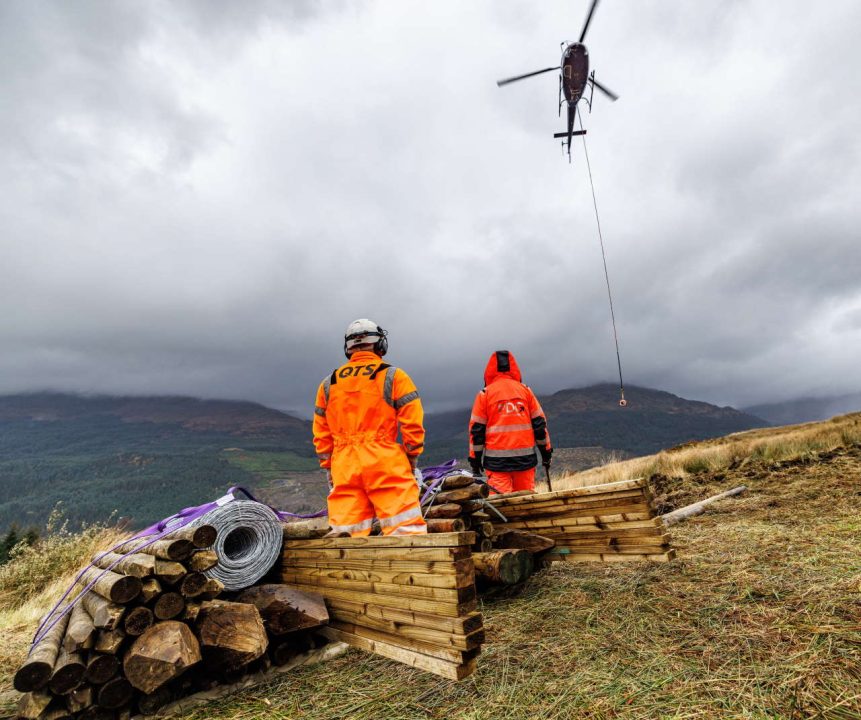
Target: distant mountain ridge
x=591 y=416
x=146 y=457
x=810 y=409
x=238 y=417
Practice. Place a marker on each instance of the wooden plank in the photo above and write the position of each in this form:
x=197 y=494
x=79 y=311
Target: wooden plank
x=604 y=488
x=436 y=666
x=440 y=638
x=455 y=539
x=616 y=550
x=575 y=557
x=620 y=498
x=411 y=554
x=615 y=506
x=427 y=580
x=420 y=605
x=611 y=540
x=582 y=520
x=453 y=595
x=452 y=655
x=464 y=624
x=457 y=567
x=589 y=532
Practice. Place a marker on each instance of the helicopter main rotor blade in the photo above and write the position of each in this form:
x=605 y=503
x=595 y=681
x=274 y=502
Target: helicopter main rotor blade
x=506 y=81
x=609 y=93
x=588 y=20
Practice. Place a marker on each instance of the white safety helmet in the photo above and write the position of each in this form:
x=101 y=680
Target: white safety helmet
x=365 y=332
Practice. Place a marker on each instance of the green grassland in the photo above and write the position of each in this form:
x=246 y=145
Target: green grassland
x=269 y=466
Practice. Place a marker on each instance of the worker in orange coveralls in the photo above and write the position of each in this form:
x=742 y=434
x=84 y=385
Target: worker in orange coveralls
x=506 y=425
x=358 y=412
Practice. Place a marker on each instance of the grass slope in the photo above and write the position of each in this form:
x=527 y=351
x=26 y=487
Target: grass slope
x=760 y=617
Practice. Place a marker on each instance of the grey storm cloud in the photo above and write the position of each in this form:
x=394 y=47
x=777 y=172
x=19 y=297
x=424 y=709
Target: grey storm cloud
x=197 y=197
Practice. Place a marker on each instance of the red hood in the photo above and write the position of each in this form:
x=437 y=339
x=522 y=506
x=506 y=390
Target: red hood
x=492 y=371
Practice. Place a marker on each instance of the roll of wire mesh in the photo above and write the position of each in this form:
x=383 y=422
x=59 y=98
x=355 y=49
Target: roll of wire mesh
x=248 y=543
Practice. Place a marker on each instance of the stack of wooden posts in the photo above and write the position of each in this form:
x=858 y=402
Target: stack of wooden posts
x=152 y=630
x=459 y=506
x=606 y=523
x=408 y=598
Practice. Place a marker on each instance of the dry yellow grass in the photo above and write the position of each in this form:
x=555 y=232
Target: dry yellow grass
x=33 y=581
x=790 y=442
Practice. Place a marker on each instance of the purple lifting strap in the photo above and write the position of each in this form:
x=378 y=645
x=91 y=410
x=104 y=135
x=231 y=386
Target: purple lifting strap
x=437 y=473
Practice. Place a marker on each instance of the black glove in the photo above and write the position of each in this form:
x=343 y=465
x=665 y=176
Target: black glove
x=546 y=454
x=475 y=464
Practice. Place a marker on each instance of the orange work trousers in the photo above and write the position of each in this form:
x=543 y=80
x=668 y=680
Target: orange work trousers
x=372 y=478
x=506 y=482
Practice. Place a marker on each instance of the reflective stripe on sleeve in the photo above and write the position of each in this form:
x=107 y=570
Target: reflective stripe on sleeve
x=410 y=514
x=515 y=452
x=320 y=411
x=475 y=448
x=356 y=527
x=406 y=399
x=412 y=447
x=477 y=419
x=508 y=428
x=537 y=413
x=389 y=386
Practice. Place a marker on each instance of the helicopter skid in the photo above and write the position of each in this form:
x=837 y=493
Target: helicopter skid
x=565 y=134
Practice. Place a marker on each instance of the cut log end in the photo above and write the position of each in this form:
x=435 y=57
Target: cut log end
x=161 y=654
x=115 y=694
x=231 y=635
x=101 y=668
x=508 y=567
x=204 y=536
x=169 y=606
x=33 y=675
x=138 y=621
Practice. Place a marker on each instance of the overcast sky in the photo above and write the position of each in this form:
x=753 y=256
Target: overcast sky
x=198 y=197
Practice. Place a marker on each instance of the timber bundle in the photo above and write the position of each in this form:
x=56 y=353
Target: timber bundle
x=408 y=598
x=614 y=522
x=156 y=628
x=458 y=506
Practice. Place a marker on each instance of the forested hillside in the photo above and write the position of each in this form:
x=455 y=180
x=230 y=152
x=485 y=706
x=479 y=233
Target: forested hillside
x=146 y=457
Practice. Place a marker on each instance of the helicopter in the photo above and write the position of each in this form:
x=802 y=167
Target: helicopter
x=574 y=79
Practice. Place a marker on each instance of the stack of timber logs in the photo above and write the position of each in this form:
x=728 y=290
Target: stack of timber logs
x=460 y=506
x=408 y=598
x=154 y=629
x=613 y=522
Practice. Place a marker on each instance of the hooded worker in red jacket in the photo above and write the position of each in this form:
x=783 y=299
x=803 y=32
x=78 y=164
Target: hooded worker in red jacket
x=507 y=424
x=360 y=410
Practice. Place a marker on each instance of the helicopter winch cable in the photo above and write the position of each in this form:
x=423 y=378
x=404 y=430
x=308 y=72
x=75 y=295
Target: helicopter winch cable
x=622 y=400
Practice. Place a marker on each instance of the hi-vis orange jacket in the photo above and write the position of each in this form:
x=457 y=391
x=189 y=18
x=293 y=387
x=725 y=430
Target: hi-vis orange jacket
x=507 y=420
x=358 y=411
